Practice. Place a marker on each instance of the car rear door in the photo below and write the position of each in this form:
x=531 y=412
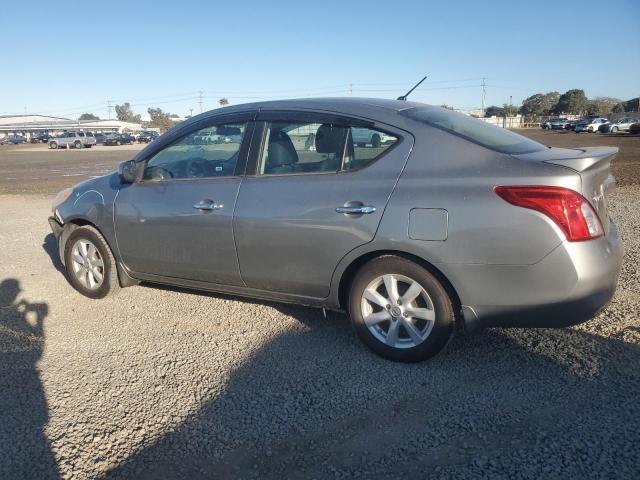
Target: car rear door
x=298 y=211
x=176 y=220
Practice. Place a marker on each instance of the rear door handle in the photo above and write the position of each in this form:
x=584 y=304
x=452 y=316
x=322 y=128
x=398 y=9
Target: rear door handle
x=208 y=205
x=356 y=209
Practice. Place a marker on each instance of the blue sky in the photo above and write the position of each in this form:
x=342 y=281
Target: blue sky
x=163 y=53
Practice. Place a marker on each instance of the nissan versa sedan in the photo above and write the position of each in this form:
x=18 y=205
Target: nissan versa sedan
x=449 y=225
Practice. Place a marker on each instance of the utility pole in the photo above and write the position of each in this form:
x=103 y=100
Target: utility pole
x=109 y=108
x=351 y=89
x=484 y=94
x=200 y=100
x=191 y=112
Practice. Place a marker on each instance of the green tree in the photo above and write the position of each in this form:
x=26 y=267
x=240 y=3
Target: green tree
x=572 y=102
x=618 y=108
x=601 y=105
x=88 y=116
x=539 y=104
x=494 y=111
x=160 y=119
x=224 y=101
x=125 y=114
x=505 y=110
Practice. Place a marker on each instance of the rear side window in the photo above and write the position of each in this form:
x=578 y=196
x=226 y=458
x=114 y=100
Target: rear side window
x=307 y=147
x=477 y=131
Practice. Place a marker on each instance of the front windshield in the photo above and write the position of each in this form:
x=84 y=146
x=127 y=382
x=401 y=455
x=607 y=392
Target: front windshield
x=478 y=131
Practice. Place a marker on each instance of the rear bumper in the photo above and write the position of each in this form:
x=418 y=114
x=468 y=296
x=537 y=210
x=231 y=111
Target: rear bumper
x=569 y=286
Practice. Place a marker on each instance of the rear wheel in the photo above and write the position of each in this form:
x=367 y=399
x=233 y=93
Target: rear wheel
x=77 y=144
x=400 y=310
x=53 y=145
x=91 y=268
x=614 y=129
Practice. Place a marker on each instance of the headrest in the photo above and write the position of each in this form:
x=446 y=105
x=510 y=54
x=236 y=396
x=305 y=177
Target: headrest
x=330 y=138
x=280 y=150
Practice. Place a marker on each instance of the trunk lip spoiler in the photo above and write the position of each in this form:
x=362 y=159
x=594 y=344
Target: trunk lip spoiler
x=588 y=158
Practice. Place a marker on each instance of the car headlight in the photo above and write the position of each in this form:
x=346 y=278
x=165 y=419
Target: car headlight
x=61 y=197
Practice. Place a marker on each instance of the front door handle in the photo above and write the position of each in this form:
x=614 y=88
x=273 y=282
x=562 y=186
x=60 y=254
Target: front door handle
x=356 y=209
x=208 y=205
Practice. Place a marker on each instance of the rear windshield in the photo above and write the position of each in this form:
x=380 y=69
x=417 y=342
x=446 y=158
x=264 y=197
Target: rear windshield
x=487 y=135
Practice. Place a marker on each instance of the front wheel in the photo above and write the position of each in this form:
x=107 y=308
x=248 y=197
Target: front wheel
x=614 y=130
x=53 y=145
x=400 y=310
x=91 y=268
x=78 y=145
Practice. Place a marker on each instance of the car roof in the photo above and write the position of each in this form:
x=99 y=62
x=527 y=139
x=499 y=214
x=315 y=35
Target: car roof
x=375 y=108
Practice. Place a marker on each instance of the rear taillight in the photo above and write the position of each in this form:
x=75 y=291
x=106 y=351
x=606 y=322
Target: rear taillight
x=568 y=209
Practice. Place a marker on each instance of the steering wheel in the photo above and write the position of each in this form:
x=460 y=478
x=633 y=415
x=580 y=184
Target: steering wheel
x=196 y=168
x=158 y=173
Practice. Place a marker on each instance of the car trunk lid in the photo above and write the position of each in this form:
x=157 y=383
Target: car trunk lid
x=593 y=164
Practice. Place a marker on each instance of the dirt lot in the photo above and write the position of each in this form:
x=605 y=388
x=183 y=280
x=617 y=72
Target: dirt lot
x=626 y=165
x=36 y=169
x=159 y=383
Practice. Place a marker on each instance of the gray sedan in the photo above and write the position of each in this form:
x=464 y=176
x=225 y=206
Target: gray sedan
x=449 y=225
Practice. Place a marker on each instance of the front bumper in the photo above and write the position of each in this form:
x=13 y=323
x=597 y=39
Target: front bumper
x=569 y=286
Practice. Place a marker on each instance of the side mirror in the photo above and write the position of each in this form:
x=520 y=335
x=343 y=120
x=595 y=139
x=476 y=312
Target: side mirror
x=127 y=171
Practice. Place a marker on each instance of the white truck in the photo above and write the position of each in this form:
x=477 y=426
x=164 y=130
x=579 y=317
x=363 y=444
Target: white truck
x=73 y=139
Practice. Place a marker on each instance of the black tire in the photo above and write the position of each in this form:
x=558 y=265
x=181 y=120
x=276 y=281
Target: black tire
x=443 y=324
x=53 y=145
x=614 y=130
x=77 y=145
x=110 y=284
x=375 y=140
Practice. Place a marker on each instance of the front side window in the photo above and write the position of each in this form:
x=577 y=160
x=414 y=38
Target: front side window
x=206 y=153
x=307 y=147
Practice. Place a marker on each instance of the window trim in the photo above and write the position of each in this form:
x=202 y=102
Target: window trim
x=253 y=162
x=241 y=162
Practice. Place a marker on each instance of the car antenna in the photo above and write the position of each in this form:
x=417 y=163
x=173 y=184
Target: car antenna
x=404 y=97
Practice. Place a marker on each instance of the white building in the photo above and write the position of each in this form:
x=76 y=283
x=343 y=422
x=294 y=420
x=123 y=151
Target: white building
x=26 y=125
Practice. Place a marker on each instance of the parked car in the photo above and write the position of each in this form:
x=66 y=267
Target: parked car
x=39 y=138
x=12 y=140
x=620 y=125
x=634 y=128
x=119 y=139
x=590 y=125
x=73 y=139
x=147 y=136
x=100 y=138
x=453 y=224
x=555 y=124
x=365 y=136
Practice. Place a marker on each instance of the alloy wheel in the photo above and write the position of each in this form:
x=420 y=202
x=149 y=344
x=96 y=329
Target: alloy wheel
x=398 y=311
x=87 y=264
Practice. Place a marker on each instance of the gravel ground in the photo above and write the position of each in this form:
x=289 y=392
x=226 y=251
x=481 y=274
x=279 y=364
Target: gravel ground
x=160 y=383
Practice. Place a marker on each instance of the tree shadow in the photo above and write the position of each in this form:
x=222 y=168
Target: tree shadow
x=313 y=403
x=25 y=451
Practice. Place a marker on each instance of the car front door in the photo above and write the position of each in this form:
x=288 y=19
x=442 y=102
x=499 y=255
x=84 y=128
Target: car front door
x=176 y=220
x=309 y=197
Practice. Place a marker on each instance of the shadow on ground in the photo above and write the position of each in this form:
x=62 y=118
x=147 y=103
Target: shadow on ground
x=25 y=451
x=313 y=403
